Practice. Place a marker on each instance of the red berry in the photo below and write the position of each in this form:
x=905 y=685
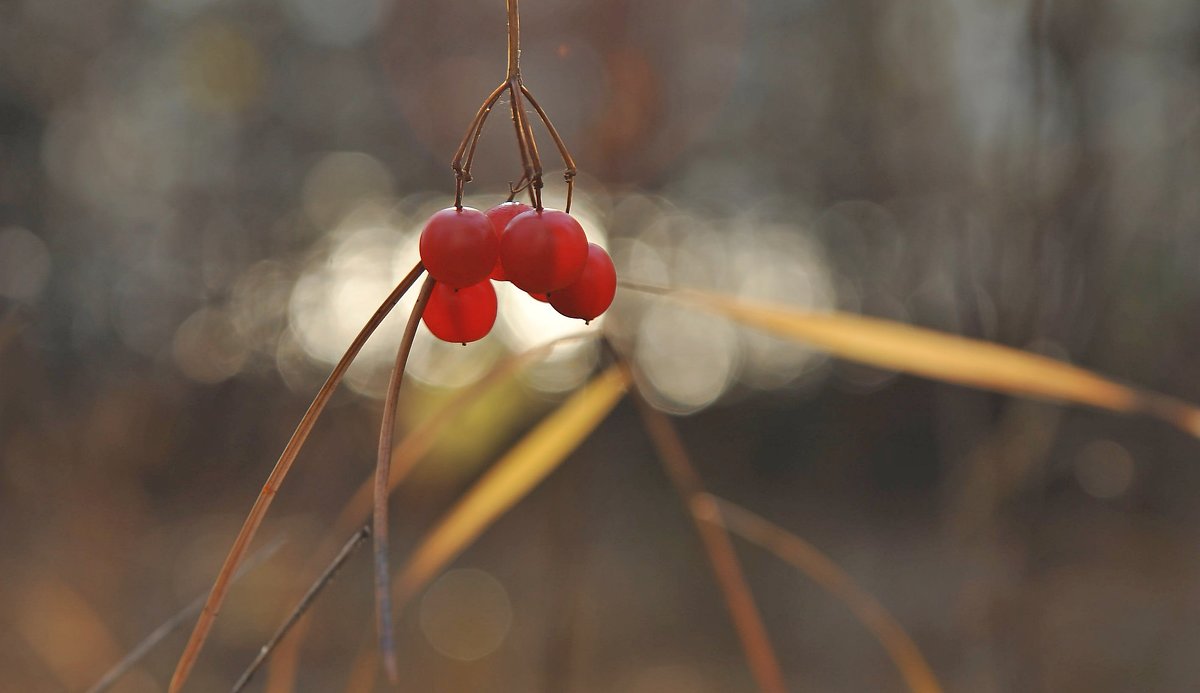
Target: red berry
x=593 y=292
x=461 y=315
x=544 y=298
x=459 y=247
x=543 y=250
x=500 y=215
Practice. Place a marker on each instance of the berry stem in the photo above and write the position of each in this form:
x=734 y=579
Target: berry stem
x=241 y=544
x=530 y=166
x=514 y=39
x=383 y=469
x=462 y=172
x=526 y=139
x=531 y=163
x=568 y=160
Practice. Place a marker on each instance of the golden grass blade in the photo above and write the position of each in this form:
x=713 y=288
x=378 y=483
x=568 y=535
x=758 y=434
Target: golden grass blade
x=747 y=621
x=940 y=356
x=816 y=565
x=382 y=488
x=241 y=544
x=414 y=447
x=512 y=477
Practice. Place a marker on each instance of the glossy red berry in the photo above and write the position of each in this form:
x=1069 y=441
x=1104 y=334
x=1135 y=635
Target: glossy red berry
x=593 y=292
x=461 y=315
x=500 y=215
x=459 y=247
x=544 y=298
x=543 y=250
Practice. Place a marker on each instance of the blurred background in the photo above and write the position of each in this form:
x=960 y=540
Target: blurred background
x=202 y=200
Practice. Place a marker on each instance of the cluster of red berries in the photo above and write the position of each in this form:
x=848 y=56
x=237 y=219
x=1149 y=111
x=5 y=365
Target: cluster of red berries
x=543 y=252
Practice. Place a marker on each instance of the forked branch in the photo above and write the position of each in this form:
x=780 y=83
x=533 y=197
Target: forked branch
x=531 y=164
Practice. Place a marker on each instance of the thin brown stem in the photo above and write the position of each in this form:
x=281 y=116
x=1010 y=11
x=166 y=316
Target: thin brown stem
x=305 y=602
x=514 y=190
x=514 y=38
x=241 y=543
x=383 y=468
x=415 y=445
x=462 y=173
x=522 y=145
x=568 y=160
x=170 y=625
x=474 y=127
x=535 y=159
x=812 y=562
x=747 y=621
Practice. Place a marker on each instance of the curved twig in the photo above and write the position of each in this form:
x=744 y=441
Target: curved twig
x=241 y=544
x=568 y=160
x=383 y=468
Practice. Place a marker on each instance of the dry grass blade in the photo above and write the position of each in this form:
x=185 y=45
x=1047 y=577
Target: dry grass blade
x=810 y=561
x=950 y=358
x=512 y=477
x=747 y=620
x=382 y=489
x=156 y=636
x=241 y=544
x=405 y=457
x=306 y=601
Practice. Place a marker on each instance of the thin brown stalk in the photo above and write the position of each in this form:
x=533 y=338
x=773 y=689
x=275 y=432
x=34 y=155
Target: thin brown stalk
x=487 y=110
x=568 y=160
x=476 y=124
x=747 y=621
x=170 y=625
x=535 y=158
x=917 y=673
x=383 y=468
x=513 y=11
x=405 y=457
x=306 y=601
x=462 y=171
x=241 y=543
x=522 y=145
